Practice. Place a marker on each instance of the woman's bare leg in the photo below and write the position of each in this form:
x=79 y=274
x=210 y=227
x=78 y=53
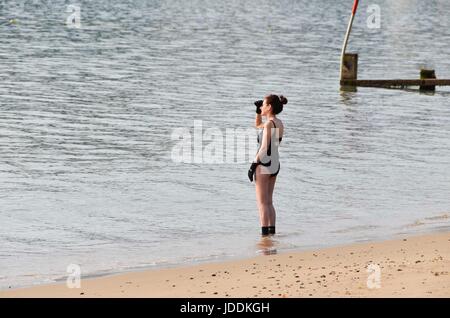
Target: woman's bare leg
x=263 y=197
x=272 y=217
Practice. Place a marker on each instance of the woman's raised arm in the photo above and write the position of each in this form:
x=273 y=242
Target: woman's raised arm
x=258 y=121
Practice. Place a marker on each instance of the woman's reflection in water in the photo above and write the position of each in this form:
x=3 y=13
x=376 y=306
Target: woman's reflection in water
x=266 y=245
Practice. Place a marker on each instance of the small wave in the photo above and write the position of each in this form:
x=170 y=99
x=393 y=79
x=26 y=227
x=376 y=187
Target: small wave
x=355 y=229
x=416 y=223
x=429 y=220
x=439 y=217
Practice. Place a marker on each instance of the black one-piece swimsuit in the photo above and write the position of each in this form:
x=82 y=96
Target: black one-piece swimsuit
x=269 y=151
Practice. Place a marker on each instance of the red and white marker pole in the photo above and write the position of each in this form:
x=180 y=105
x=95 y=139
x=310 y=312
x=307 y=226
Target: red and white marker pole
x=347 y=35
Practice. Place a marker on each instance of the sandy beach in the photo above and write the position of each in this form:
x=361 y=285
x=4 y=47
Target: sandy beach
x=416 y=266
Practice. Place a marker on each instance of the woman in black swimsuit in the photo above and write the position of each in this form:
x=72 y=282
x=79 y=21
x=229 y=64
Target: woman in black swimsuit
x=266 y=165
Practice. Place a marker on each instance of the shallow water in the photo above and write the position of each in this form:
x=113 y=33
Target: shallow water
x=86 y=173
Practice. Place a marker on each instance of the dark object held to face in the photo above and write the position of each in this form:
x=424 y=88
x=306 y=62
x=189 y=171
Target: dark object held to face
x=258 y=105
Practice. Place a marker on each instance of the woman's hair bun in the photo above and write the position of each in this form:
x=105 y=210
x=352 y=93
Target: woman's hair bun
x=276 y=102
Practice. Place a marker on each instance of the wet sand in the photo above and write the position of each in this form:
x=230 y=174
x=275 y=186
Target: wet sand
x=408 y=267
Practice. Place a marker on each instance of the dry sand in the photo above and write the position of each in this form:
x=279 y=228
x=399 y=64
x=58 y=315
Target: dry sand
x=409 y=267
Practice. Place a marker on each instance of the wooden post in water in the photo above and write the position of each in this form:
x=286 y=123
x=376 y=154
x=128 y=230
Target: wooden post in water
x=349 y=74
x=349 y=71
x=347 y=35
x=427 y=74
x=350 y=67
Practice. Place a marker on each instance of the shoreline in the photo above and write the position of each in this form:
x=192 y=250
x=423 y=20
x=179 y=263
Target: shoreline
x=414 y=266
